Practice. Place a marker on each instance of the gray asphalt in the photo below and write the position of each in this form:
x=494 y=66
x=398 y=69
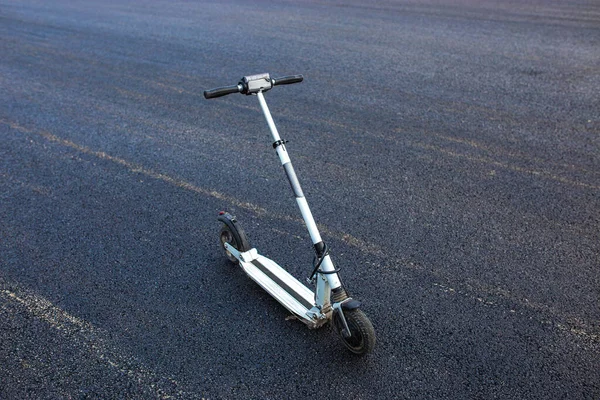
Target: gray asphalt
x=450 y=151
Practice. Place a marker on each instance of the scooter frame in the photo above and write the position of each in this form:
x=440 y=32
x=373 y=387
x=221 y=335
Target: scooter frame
x=312 y=308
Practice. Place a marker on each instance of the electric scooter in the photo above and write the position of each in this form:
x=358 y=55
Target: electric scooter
x=330 y=301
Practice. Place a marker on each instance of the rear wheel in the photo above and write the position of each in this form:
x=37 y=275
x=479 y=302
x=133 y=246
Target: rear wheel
x=237 y=239
x=362 y=333
x=227 y=237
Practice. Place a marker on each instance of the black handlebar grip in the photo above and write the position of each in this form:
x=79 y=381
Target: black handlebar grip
x=287 y=80
x=222 y=91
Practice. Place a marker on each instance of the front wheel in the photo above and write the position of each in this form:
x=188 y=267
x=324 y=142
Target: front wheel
x=362 y=334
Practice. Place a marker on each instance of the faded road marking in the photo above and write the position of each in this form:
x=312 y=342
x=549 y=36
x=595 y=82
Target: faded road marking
x=512 y=167
x=139 y=169
x=86 y=336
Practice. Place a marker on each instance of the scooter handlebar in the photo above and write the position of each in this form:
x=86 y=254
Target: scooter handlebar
x=253 y=84
x=222 y=91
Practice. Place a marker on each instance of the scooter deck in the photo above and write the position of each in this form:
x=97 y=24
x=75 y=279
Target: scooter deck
x=279 y=283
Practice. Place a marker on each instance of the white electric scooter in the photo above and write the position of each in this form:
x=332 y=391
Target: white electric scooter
x=330 y=301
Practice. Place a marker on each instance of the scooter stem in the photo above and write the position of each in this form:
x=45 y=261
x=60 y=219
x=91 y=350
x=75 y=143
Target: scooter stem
x=327 y=265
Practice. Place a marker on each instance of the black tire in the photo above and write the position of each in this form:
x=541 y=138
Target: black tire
x=227 y=236
x=362 y=334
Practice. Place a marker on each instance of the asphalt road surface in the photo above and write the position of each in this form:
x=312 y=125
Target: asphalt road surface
x=450 y=151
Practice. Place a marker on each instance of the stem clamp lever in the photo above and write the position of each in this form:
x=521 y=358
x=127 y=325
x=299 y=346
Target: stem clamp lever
x=279 y=143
